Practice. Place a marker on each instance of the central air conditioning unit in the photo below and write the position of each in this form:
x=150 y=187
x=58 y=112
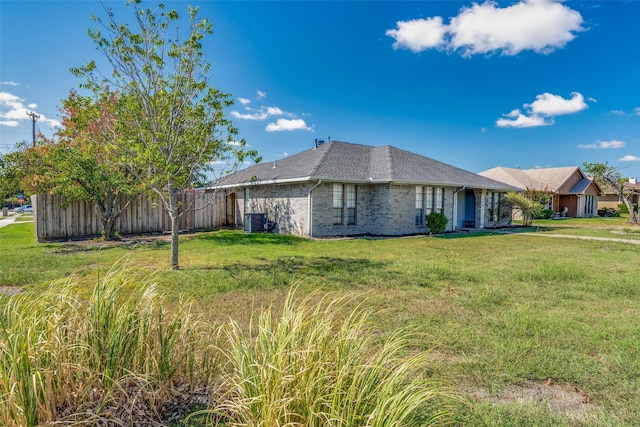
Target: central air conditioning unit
x=255 y=222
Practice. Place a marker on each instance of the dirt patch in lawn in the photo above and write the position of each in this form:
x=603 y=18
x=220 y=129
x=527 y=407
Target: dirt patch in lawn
x=562 y=400
x=10 y=290
x=88 y=244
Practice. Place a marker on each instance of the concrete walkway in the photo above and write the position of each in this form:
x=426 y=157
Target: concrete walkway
x=6 y=220
x=567 y=236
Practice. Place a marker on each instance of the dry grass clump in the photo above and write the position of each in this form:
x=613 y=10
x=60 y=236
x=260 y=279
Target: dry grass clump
x=310 y=367
x=122 y=357
x=114 y=359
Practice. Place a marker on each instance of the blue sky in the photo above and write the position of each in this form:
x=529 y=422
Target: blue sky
x=525 y=84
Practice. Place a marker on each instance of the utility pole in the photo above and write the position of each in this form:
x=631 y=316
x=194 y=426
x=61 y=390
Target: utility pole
x=34 y=118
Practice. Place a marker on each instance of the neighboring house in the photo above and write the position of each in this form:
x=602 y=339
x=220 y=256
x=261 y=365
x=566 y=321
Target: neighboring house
x=344 y=189
x=611 y=199
x=574 y=194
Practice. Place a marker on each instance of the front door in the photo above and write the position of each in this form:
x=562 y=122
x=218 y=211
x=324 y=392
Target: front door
x=469 y=209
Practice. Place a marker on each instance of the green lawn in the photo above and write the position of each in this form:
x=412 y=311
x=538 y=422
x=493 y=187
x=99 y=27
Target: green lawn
x=530 y=331
x=595 y=222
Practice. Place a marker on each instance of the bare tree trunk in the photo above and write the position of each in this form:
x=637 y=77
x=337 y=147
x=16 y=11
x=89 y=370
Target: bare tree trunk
x=632 y=213
x=107 y=212
x=175 y=227
x=108 y=228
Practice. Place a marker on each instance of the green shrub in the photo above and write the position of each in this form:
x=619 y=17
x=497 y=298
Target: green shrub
x=609 y=213
x=437 y=223
x=622 y=208
x=544 y=214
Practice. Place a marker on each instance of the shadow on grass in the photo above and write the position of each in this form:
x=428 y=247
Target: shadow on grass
x=499 y=232
x=296 y=266
x=488 y=232
x=223 y=238
x=240 y=238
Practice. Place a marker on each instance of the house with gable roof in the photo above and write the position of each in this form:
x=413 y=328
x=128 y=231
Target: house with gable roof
x=573 y=193
x=344 y=189
x=610 y=197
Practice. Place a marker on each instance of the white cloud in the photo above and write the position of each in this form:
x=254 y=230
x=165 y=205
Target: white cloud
x=7 y=83
x=548 y=104
x=617 y=112
x=261 y=114
x=604 y=144
x=637 y=110
x=275 y=111
x=629 y=159
x=249 y=116
x=418 y=34
x=614 y=143
x=538 y=25
x=518 y=120
x=288 y=125
x=542 y=111
x=13 y=111
x=244 y=101
x=260 y=94
x=238 y=144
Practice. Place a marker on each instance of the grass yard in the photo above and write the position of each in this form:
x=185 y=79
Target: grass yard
x=621 y=222
x=524 y=330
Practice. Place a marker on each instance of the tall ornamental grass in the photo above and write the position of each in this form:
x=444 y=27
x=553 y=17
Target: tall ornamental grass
x=65 y=358
x=313 y=367
x=122 y=356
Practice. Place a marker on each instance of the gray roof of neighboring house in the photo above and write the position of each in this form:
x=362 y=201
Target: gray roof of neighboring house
x=346 y=162
x=581 y=186
x=550 y=179
x=628 y=187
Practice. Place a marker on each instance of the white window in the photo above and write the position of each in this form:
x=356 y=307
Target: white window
x=338 y=204
x=419 y=206
x=351 y=204
x=439 y=205
x=589 y=205
x=428 y=193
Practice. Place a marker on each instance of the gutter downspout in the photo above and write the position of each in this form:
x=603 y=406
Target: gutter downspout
x=454 y=214
x=310 y=209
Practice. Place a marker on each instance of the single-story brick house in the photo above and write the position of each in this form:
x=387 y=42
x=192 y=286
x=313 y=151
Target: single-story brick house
x=574 y=194
x=611 y=199
x=343 y=189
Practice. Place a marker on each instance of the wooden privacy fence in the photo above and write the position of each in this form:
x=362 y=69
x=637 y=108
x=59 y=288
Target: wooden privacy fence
x=206 y=210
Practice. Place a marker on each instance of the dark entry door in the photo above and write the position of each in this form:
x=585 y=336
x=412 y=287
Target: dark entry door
x=470 y=208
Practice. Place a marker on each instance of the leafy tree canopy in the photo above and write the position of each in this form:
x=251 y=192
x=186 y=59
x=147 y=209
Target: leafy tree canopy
x=530 y=203
x=176 y=127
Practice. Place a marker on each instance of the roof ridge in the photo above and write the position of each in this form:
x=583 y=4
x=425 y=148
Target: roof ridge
x=389 y=158
x=324 y=155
